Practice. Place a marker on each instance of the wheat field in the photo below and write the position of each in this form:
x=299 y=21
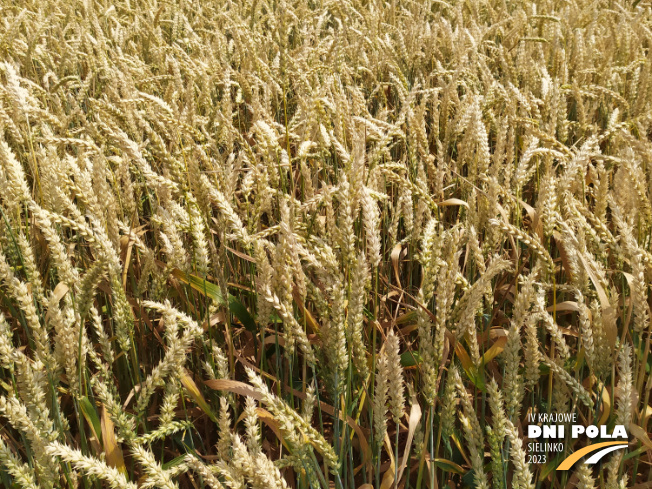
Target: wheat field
x=323 y=243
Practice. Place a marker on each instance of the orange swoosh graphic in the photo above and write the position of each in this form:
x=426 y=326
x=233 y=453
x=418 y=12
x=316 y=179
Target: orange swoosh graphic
x=574 y=457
